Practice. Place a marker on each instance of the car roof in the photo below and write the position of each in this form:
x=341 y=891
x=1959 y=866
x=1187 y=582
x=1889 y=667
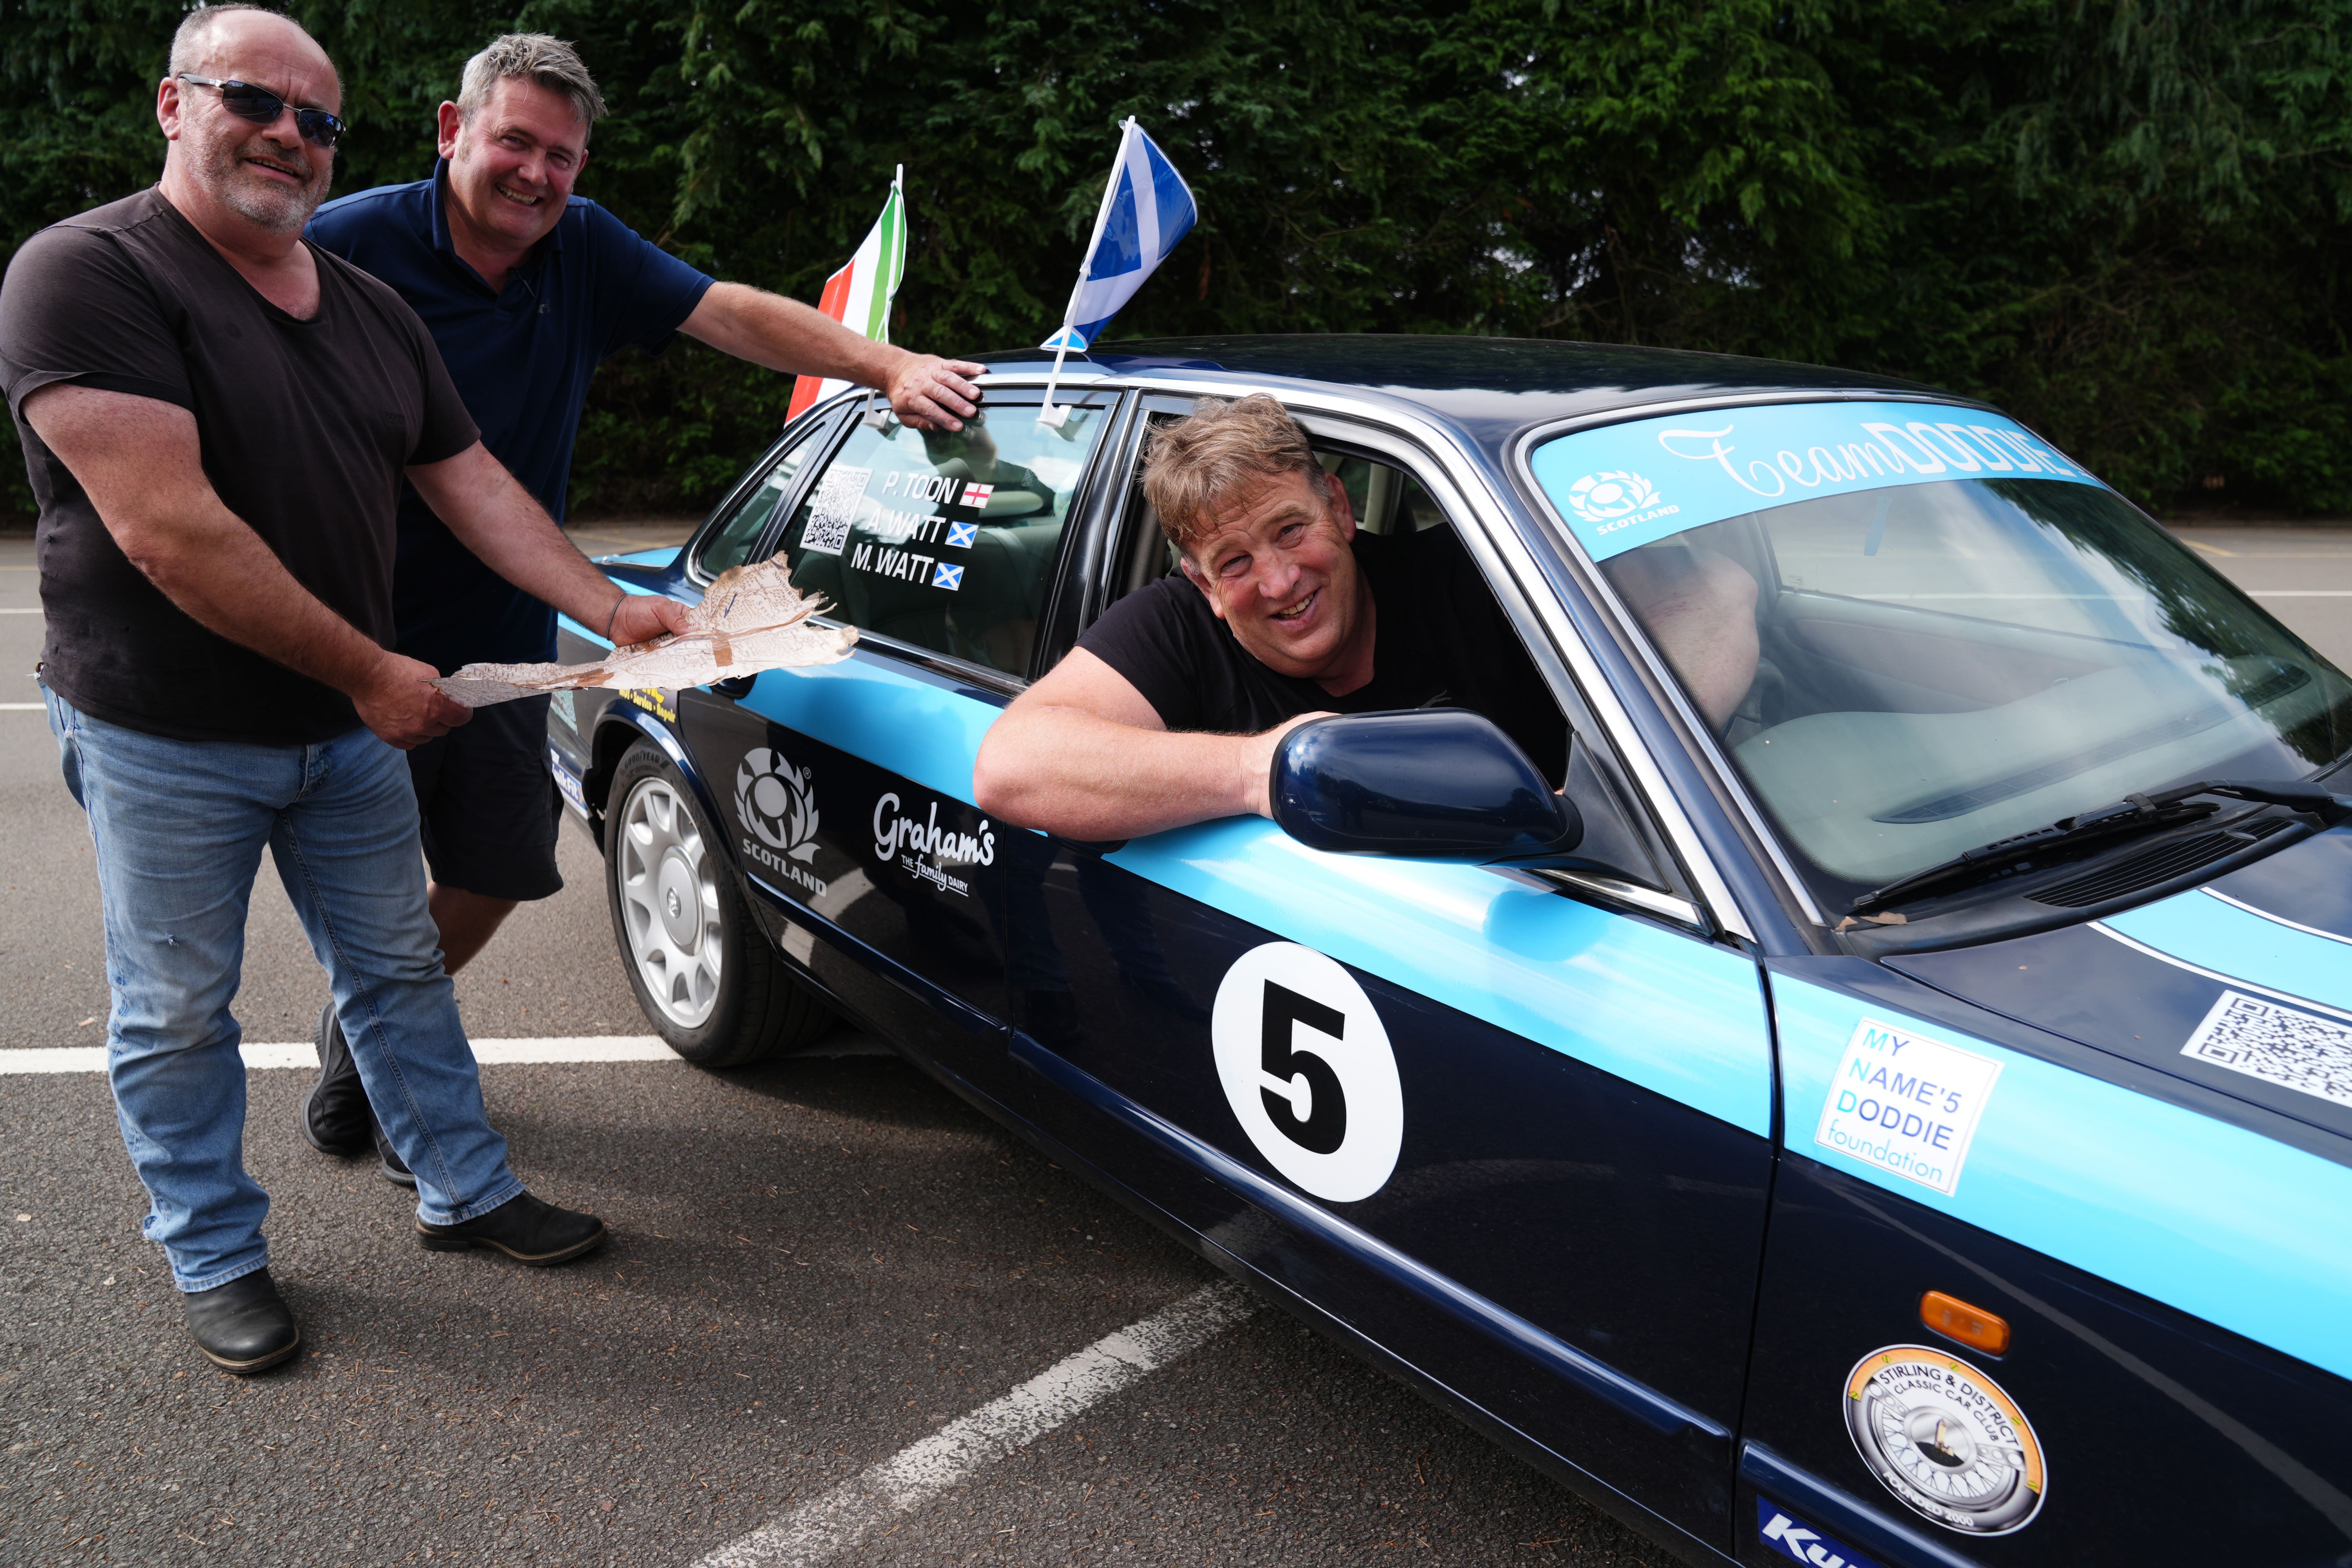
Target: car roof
x=1488 y=389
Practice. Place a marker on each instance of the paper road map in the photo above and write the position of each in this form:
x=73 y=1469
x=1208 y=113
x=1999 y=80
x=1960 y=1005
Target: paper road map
x=750 y=620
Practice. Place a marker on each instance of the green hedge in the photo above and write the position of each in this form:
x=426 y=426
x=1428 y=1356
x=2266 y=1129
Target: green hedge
x=2125 y=222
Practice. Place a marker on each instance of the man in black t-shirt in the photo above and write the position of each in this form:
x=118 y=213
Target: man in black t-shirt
x=1171 y=706
x=216 y=420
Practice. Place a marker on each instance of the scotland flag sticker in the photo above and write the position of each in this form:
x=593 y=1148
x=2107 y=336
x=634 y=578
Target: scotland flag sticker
x=946 y=576
x=961 y=534
x=1784 y=1533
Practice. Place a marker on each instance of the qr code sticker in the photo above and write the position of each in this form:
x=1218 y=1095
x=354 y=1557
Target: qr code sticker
x=834 y=509
x=2284 y=1046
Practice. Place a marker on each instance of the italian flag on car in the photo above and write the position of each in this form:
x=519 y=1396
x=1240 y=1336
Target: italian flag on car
x=858 y=296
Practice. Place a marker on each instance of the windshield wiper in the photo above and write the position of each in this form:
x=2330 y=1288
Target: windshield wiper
x=2132 y=815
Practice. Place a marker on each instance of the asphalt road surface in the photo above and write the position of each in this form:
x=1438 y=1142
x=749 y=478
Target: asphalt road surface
x=818 y=1267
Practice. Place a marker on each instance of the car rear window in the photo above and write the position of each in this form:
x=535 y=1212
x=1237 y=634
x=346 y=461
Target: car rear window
x=949 y=541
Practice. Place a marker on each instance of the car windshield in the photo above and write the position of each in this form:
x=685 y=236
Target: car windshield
x=1907 y=670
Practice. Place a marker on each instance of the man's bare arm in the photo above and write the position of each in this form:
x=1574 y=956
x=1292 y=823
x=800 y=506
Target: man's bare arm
x=142 y=464
x=497 y=519
x=1083 y=755
x=926 y=391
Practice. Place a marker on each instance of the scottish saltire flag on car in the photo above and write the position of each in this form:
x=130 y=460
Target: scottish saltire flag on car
x=1146 y=209
x=858 y=296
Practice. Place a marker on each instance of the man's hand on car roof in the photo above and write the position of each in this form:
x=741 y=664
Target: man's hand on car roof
x=931 y=394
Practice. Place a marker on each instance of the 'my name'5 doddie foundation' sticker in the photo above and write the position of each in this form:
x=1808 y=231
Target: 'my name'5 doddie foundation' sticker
x=1907 y=1104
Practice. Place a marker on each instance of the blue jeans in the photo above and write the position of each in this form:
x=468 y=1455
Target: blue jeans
x=180 y=826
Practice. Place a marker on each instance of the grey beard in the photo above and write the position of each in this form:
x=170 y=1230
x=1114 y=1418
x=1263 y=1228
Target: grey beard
x=270 y=208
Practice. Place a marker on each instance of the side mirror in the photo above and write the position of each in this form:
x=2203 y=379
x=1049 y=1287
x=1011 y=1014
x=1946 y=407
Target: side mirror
x=1434 y=782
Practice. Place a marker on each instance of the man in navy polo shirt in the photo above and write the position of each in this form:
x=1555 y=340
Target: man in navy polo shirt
x=526 y=288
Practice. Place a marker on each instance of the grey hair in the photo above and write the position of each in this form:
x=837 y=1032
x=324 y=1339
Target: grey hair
x=549 y=61
x=193 y=38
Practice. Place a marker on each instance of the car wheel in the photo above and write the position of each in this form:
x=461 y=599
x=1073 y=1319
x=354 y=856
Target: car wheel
x=704 y=975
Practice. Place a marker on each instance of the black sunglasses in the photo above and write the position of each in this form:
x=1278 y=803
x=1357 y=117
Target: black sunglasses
x=263 y=107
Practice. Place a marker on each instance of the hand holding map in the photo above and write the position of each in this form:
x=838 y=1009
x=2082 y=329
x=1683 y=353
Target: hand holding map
x=751 y=618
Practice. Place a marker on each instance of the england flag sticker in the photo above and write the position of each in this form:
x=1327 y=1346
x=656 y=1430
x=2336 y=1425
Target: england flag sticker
x=977 y=495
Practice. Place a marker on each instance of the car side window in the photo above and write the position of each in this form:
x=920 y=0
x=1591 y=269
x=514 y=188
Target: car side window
x=731 y=542
x=946 y=541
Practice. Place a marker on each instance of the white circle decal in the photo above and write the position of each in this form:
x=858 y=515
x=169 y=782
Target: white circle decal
x=1308 y=1072
x=1946 y=1438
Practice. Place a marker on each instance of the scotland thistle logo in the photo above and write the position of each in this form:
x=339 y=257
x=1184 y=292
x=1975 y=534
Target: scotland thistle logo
x=773 y=800
x=1600 y=498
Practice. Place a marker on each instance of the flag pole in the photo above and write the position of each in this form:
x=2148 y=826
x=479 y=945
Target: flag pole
x=1051 y=417
x=881 y=418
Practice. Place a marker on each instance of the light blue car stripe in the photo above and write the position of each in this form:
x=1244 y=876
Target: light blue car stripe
x=2217 y=1221
x=1671 y=1013
x=922 y=732
x=2216 y=935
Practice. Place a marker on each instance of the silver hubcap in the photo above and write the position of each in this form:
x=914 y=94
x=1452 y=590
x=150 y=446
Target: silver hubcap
x=669 y=902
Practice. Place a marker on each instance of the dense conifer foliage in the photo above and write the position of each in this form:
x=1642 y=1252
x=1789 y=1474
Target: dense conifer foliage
x=2126 y=220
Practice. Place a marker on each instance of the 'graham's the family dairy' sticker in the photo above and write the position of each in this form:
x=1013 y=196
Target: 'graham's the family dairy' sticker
x=1907 y=1104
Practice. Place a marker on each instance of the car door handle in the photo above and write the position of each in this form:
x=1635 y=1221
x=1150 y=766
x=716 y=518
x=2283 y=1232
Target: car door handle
x=736 y=685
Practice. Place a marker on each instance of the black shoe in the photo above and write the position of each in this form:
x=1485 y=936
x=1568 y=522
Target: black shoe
x=523 y=1227
x=335 y=1115
x=387 y=1158
x=244 y=1326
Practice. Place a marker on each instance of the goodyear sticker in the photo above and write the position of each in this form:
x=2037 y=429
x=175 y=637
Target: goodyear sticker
x=1907 y=1104
x=1945 y=1439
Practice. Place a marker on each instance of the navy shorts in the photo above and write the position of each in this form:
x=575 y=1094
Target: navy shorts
x=486 y=806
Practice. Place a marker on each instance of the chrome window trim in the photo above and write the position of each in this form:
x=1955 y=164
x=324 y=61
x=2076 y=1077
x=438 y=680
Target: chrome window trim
x=740 y=490
x=1665 y=905
x=1596 y=583
x=1480 y=505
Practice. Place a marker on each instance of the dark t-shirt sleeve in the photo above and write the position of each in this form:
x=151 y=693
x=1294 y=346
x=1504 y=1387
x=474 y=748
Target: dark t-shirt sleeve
x=1150 y=638
x=449 y=428
x=445 y=428
x=75 y=309
x=643 y=292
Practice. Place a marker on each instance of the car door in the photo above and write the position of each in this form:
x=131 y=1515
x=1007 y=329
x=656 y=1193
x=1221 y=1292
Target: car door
x=1518 y=1137
x=846 y=788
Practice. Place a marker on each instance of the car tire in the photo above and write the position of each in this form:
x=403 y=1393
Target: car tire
x=703 y=973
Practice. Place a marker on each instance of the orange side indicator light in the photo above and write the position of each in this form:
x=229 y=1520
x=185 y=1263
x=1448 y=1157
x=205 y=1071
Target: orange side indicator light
x=1972 y=1326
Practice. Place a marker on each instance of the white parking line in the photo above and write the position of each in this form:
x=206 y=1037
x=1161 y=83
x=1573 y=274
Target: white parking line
x=303 y=1054
x=825 y=1526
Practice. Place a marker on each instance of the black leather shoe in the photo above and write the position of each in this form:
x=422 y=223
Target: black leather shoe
x=387 y=1158
x=335 y=1115
x=244 y=1326
x=523 y=1227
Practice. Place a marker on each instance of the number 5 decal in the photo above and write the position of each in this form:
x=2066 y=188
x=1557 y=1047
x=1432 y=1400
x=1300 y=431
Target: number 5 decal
x=1308 y=1070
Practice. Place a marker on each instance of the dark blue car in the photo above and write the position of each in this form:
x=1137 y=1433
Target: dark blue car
x=1892 y=1106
